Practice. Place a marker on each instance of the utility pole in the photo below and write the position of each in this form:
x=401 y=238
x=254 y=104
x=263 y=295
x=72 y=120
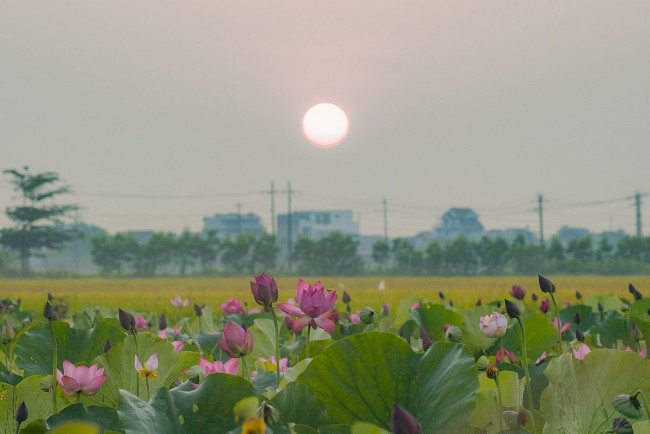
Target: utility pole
x=77 y=220
x=238 y=217
x=272 y=192
x=637 y=202
x=385 y=213
x=540 y=210
x=289 y=234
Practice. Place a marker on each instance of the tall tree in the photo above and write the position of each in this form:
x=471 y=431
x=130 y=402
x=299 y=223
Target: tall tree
x=37 y=221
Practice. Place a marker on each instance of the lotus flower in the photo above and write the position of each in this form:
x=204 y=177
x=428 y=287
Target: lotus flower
x=149 y=369
x=232 y=307
x=581 y=351
x=80 y=379
x=230 y=367
x=236 y=341
x=355 y=318
x=541 y=358
x=178 y=346
x=314 y=307
x=176 y=301
x=493 y=326
x=565 y=326
x=265 y=290
x=141 y=323
x=544 y=306
x=500 y=355
x=271 y=365
x=518 y=292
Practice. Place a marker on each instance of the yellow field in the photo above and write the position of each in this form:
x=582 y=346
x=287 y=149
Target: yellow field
x=155 y=294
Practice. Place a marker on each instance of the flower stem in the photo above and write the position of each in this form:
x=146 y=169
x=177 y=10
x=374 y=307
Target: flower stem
x=559 y=322
x=307 y=344
x=245 y=368
x=277 y=345
x=148 y=391
x=503 y=351
x=54 y=365
x=528 y=380
x=499 y=402
x=18 y=427
x=137 y=377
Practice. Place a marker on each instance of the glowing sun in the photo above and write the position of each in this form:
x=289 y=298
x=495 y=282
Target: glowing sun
x=325 y=125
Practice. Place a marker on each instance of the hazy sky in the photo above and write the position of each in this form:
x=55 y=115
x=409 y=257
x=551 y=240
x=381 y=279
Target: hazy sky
x=451 y=103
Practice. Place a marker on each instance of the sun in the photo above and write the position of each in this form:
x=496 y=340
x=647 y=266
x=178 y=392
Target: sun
x=325 y=125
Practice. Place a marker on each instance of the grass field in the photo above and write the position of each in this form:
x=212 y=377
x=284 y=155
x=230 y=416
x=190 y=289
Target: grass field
x=155 y=294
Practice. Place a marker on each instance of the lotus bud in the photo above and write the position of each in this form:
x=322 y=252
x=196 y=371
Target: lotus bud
x=545 y=285
x=441 y=295
x=454 y=334
x=601 y=308
x=22 y=414
x=580 y=336
x=518 y=292
x=544 y=306
x=451 y=303
x=578 y=295
x=403 y=422
x=512 y=309
x=8 y=333
x=621 y=426
x=367 y=315
x=48 y=313
x=628 y=406
x=534 y=296
x=265 y=290
x=50 y=297
x=427 y=342
x=107 y=346
x=127 y=321
x=478 y=302
x=385 y=309
x=482 y=363
x=346 y=297
x=636 y=333
x=162 y=322
x=576 y=318
x=198 y=310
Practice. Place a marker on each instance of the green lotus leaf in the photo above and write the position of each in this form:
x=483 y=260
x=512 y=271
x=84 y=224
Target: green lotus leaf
x=540 y=336
x=39 y=403
x=105 y=417
x=296 y=403
x=159 y=416
x=578 y=398
x=34 y=352
x=434 y=316
x=446 y=383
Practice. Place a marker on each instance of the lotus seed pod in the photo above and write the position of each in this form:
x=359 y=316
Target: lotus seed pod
x=628 y=406
x=367 y=315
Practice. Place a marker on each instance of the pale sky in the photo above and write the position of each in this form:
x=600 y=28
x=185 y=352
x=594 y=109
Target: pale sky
x=197 y=105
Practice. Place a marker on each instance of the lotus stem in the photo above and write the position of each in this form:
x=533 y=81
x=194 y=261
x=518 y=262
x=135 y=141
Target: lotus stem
x=559 y=322
x=245 y=369
x=307 y=344
x=528 y=380
x=137 y=377
x=54 y=365
x=277 y=345
x=499 y=402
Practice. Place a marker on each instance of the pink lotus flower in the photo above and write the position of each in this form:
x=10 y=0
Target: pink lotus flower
x=541 y=358
x=265 y=290
x=230 y=367
x=565 y=326
x=314 y=307
x=581 y=351
x=500 y=355
x=493 y=326
x=518 y=292
x=80 y=379
x=232 y=307
x=355 y=318
x=254 y=311
x=643 y=352
x=178 y=346
x=176 y=301
x=141 y=323
x=147 y=371
x=236 y=341
x=270 y=365
x=544 y=306
x=415 y=306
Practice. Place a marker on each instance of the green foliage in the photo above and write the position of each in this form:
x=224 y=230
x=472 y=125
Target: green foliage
x=335 y=254
x=37 y=221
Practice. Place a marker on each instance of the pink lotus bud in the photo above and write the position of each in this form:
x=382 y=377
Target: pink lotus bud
x=265 y=290
x=236 y=341
x=493 y=326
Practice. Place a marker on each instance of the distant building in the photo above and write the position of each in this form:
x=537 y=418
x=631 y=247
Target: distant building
x=233 y=224
x=315 y=225
x=457 y=222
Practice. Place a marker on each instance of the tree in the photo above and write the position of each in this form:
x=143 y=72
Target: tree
x=381 y=253
x=333 y=255
x=265 y=253
x=38 y=221
x=114 y=254
x=461 y=257
x=157 y=252
x=408 y=260
x=237 y=252
x=433 y=258
x=493 y=254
